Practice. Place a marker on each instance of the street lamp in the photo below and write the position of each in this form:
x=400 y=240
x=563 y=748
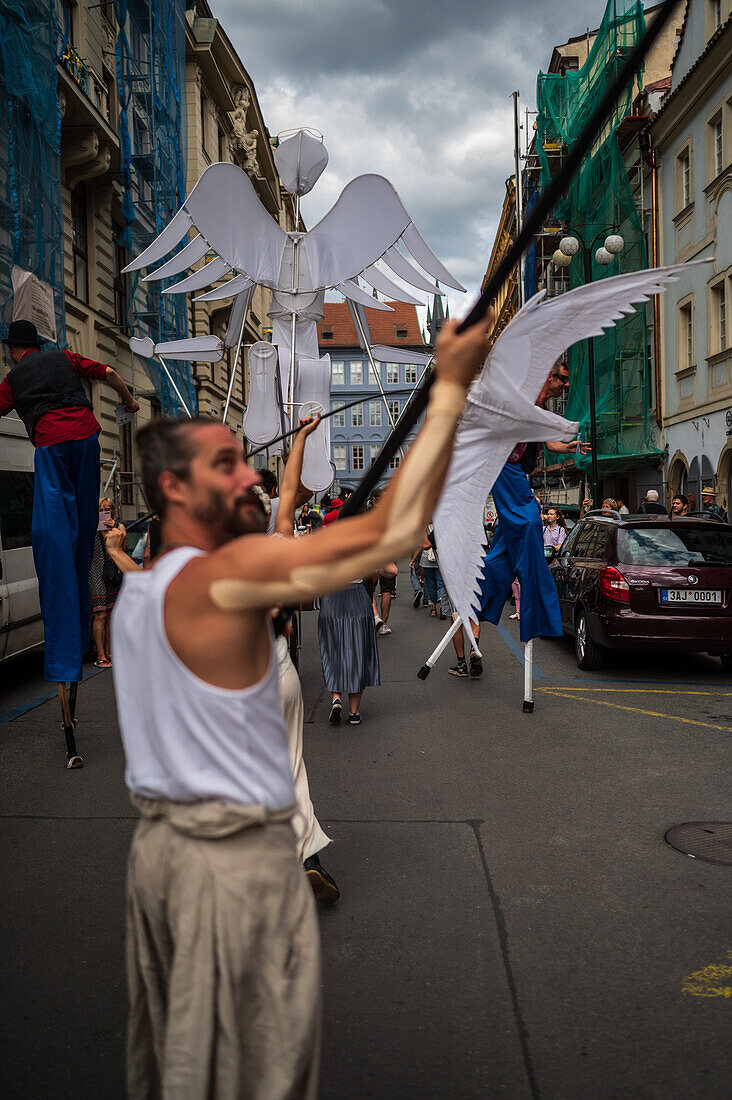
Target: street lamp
x=569 y=246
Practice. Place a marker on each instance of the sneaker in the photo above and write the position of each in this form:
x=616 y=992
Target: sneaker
x=384 y=629
x=460 y=669
x=514 y=616
x=354 y=719
x=417 y=599
x=378 y=622
x=323 y=884
x=443 y=616
x=476 y=666
x=335 y=711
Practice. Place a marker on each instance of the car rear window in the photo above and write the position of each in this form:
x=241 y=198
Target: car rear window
x=675 y=546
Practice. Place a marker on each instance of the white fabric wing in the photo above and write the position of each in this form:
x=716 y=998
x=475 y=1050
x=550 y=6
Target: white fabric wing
x=501 y=411
x=225 y=209
x=366 y=221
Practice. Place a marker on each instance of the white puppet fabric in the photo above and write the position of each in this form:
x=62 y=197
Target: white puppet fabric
x=501 y=412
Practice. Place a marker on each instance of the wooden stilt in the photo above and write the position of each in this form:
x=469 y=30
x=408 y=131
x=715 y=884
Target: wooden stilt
x=68 y=711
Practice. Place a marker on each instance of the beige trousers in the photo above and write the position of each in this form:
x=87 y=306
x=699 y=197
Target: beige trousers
x=223 y=957
x=310 y=836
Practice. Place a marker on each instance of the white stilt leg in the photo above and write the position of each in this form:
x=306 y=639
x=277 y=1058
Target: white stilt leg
x=440 y=649
x=529 y=677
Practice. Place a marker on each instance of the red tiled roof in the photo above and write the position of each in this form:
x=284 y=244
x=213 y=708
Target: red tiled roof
x=383 y=326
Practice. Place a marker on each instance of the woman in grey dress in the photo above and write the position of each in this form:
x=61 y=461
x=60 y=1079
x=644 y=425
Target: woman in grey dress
x=348 y=649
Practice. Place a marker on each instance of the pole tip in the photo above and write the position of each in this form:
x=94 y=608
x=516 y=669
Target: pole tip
x=424 y=672
x=528 y=706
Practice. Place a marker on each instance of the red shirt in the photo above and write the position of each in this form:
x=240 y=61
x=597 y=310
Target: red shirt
x=62 y=425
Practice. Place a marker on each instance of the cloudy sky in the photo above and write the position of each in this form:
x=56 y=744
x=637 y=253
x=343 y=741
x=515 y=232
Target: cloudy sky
x=415 y=90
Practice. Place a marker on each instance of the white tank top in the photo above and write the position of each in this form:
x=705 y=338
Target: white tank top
x=185 y=739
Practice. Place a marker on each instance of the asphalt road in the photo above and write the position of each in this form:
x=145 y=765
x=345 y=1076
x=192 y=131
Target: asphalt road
x=512 y=922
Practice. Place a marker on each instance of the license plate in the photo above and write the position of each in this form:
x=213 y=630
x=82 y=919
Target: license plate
x=691 y=595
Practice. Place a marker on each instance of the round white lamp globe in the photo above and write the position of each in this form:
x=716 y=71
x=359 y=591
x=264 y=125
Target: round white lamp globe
x=560 y=260
x=614 y=243
x=569 y=246
x=602 y=256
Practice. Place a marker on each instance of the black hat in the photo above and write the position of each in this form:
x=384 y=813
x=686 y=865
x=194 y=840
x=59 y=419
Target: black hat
x=23 y=334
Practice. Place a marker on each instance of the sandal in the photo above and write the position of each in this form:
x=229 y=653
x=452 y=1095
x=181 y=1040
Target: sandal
x=103 y=664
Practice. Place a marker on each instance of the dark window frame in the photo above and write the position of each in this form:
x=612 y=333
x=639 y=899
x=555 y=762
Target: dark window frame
x=80 y=240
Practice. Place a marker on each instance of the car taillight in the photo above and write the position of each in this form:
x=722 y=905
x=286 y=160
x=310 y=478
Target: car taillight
x=613 y=585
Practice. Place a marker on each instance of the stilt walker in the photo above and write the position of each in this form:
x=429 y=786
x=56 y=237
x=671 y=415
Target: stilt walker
x=44 y=387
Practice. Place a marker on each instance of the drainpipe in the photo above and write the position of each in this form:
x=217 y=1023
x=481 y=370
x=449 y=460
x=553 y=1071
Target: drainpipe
x=656 y=303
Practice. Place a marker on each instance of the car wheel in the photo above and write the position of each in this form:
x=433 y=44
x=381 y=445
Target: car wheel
x=726 y=659
x=588 y=654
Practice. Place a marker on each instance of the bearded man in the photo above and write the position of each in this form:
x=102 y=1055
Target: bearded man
x=222 y=948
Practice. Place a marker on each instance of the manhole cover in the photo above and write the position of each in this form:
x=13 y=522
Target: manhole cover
x=709 y=840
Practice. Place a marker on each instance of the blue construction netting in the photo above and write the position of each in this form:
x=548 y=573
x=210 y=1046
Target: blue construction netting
x=152 y=127
x=31 y=215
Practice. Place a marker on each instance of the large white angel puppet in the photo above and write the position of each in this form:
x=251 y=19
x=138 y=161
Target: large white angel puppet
x=356 y=240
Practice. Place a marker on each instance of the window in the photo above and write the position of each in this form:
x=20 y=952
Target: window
x=327 y=334
x=686 y=356
x=719 y=316
x=394 y=410
x=357 y=416
x=204 y=122
x=338 y=372
x=339 y=418
x=392 y=374
x=373 y=376
x=410 y=374
x=683 y=179
x=222 y=145
x=79 y=243
x=374 y=452
x=375 y=414
x=65 y=17
x=339 y=456
x=126 y=474
x=119 y=280
x=717 y=147
x=715 y=16
x=356 y=372
x=401 y=332
x=357 y=457
x=395 y=461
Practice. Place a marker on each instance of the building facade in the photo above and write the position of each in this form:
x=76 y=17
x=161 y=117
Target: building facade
x=143 y=107
x=358 y=434
x=692 y=137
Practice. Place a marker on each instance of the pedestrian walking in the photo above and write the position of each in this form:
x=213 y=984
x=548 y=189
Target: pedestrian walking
x=105 y=579
x=416 y=577
x=649 y=504
x=434 y=587
x=348 y=650
x=710 y=508
x=555 y=528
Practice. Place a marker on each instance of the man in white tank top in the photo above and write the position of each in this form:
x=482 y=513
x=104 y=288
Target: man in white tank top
x=222 y=946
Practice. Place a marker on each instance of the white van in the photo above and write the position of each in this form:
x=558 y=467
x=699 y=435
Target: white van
x=21 y=626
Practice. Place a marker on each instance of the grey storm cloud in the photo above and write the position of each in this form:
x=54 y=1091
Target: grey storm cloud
x=411 y=89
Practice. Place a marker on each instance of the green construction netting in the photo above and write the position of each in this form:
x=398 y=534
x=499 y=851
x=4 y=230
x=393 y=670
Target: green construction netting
x=600 y=201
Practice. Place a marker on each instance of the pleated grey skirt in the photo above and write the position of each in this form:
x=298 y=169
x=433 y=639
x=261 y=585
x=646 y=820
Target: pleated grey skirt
x=347 y=637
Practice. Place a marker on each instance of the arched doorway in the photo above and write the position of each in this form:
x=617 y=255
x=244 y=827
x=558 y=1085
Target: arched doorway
x=678 y=476
x=724 y=478
x=701 y=473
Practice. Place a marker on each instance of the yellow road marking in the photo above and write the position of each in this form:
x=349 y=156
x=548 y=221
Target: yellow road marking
x=709 y=981
x=640 y=691
x=638 y=710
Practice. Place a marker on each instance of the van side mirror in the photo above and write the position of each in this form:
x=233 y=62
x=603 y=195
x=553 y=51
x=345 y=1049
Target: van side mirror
x=550 y=553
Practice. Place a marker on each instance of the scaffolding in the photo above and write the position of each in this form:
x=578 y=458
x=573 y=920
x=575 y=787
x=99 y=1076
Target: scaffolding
x=600 y=200
x=31 y=215
x=150 y=55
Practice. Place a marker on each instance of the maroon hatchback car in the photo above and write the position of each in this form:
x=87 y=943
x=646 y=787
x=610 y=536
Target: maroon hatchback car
x=646 y=582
